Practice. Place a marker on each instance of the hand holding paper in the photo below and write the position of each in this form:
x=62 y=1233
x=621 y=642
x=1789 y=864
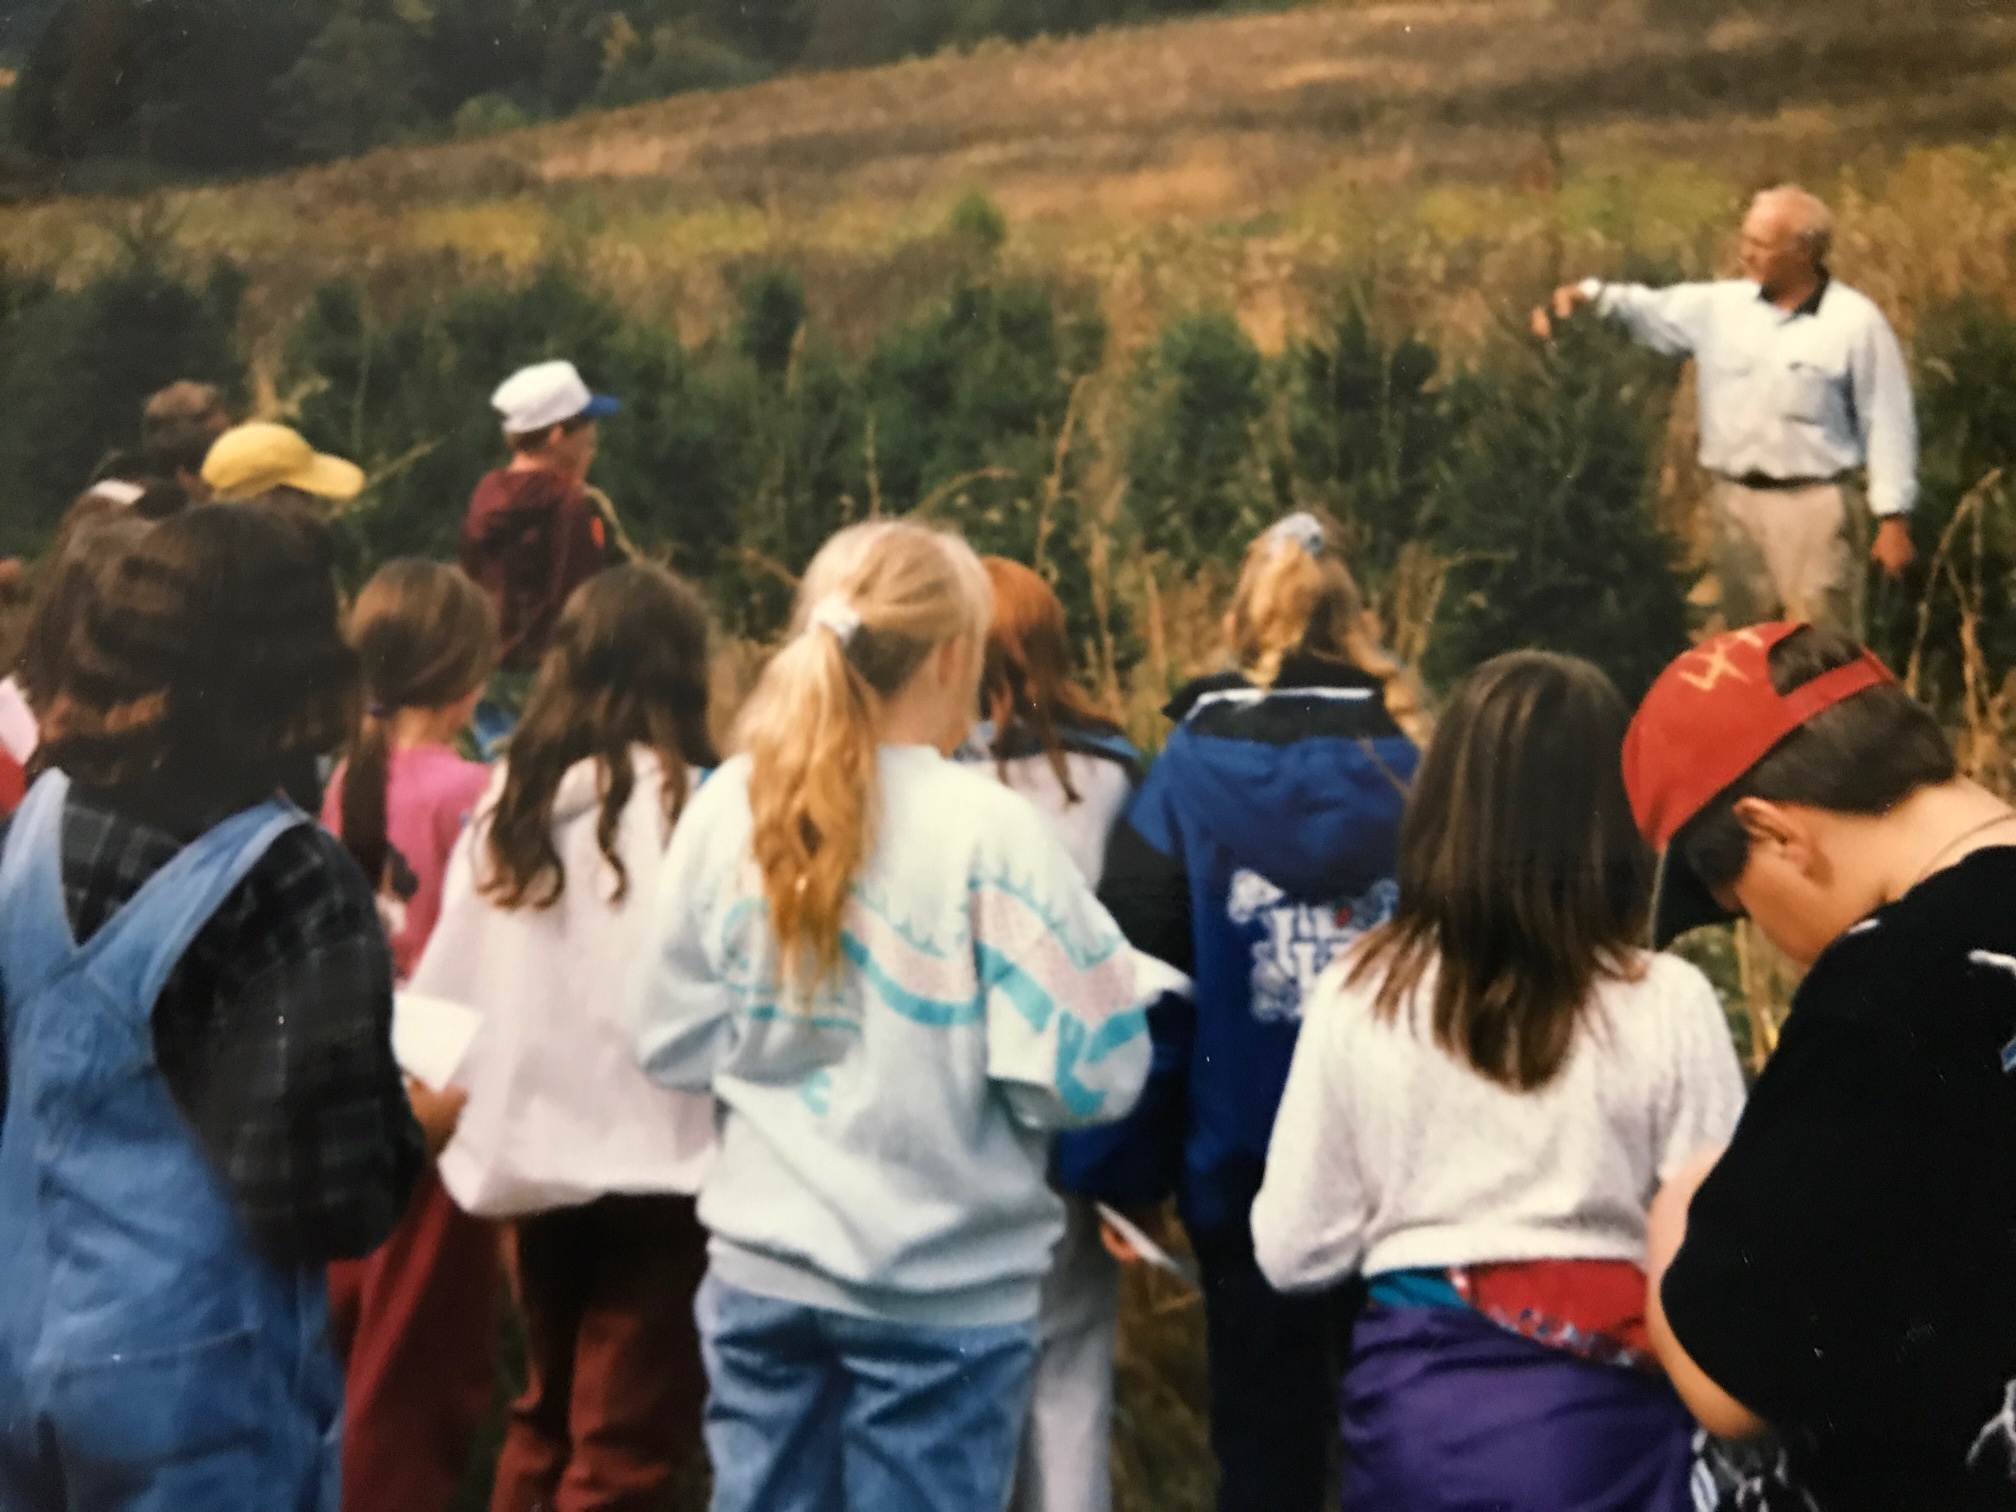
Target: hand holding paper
x=1145 y=1249
x=431 y=1037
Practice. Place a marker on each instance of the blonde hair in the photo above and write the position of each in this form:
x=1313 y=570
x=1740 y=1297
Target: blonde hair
x=1295 y=595
x=876 y=603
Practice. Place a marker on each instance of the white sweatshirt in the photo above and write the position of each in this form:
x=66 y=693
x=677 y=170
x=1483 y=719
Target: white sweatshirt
x=559 y=1113
x=1391 y=1154
x=883 y=1146
x=1102 y=782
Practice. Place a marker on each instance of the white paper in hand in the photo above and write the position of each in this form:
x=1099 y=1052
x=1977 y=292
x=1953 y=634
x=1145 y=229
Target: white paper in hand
x=431 y=1036
x=1150 y=1252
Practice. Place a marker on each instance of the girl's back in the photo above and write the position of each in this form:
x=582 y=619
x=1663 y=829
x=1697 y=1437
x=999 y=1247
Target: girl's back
x=976 y=963
x=427 y=643
x=1448 y=1167
x=1486 y=1095
x=429 y=794
x=896 y=983
x=541 y=926
x=556 y=1098
x=1100 y=771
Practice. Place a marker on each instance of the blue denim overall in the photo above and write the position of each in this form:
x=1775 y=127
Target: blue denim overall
x=150 y=1360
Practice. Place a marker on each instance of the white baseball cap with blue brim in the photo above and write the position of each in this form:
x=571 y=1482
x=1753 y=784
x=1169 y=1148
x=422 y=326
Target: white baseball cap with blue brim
x=548 y=394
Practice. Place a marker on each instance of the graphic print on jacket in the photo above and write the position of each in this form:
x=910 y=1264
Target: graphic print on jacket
x=1262 y=843
x=1294 y=942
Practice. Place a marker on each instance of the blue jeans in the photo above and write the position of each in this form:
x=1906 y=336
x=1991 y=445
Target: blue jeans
x=817 y=1411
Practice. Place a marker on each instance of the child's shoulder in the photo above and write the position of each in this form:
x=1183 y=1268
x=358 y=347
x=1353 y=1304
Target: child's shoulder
x=963 y=798
x=1663 y=990
x=1670 y=979
x=439 y=776
x=717 y=798
x=307 y=889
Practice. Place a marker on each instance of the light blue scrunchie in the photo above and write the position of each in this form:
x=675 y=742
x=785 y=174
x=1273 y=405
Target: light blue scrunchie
x=1301 y=528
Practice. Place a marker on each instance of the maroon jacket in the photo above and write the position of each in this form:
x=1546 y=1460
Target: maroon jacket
x=530 y=540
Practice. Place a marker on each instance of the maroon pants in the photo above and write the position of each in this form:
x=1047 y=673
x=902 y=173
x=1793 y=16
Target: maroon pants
x=416 y=1325
x=610 y=1418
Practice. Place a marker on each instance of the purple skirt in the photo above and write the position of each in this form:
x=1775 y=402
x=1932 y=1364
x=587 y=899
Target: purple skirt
x=1444 y=1409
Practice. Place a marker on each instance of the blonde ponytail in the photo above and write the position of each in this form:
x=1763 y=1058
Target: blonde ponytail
x=877 y=602
x=1296 y=595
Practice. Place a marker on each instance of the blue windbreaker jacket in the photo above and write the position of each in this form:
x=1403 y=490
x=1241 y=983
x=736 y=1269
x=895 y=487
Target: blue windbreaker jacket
x=1262 y=844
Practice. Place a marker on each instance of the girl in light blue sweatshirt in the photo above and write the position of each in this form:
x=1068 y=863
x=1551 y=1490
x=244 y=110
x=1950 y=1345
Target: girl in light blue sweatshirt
x=897 y=984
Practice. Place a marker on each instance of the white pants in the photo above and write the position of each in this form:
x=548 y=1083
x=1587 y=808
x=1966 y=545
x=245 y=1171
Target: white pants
x=1064 y=1464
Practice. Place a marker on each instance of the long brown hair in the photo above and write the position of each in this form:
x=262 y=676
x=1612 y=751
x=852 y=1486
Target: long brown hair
x=207 y=664
x=1523 y=880
x=426 y=639
x=627 y=667
x=811 y=726
x=1027 y=678
x=1296 y=597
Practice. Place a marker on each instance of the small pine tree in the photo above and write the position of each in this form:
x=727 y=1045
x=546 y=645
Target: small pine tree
x=773 y=313
x=969 y=402
x=409 y=399
x=77 y=366
x=1545 y=513
x=1366 y=429
x=1197 y=396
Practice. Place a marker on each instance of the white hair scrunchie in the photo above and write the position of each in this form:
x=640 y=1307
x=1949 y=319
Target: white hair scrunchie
x=836 y=615
x=1301 y=529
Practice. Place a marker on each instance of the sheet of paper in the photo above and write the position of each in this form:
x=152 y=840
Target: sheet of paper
x=1153 y=978
x=1150 y=1252
x=431 y=1036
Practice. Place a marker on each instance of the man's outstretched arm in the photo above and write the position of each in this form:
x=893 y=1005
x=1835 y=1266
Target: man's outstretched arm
x=1671 y=320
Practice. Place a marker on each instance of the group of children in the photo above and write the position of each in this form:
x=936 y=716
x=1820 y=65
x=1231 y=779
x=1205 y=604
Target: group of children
x=799 y=1073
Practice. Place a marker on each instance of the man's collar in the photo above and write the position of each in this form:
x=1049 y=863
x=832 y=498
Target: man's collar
x=1811 y=306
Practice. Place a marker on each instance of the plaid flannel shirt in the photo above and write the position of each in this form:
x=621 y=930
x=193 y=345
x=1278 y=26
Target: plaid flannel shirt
x=273 y=1033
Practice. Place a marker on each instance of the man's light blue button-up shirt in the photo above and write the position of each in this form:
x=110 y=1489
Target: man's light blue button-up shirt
x=1810 y=394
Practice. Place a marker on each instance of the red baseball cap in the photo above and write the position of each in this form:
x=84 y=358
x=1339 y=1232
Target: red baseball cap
x=1712 y=716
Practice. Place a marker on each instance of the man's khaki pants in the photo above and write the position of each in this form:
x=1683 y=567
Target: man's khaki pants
x=1789 y=553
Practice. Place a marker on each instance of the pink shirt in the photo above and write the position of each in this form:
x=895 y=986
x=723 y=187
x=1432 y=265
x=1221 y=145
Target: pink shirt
x=429 y=792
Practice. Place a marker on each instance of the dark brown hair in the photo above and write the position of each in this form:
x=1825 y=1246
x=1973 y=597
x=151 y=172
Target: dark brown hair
x=178 y=426
x=425 y=638
x=534 y=441
x=94 y=534
x=628 y=666
x=207 y=662
x=1865 y=755
x=1027 y=678
x=1523 y=880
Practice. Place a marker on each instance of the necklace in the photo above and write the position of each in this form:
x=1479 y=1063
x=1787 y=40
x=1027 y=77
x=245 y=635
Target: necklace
x=1959 y=840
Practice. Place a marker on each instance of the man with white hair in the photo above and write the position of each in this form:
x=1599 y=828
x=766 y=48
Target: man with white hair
x=1802 y=382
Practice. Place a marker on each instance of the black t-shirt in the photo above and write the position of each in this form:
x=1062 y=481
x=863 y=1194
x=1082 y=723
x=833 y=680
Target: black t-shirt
x=1849 y=1272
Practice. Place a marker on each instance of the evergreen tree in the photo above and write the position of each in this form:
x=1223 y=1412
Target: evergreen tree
x=1545 y=513
x=1193 y=488
x=76 y=367
x=969 y=402
x=409 y=400
x=1366 y=428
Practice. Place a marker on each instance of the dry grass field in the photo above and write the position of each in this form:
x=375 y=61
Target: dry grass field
x=1468 y=150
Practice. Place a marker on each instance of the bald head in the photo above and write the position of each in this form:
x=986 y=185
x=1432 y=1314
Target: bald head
x=1804 y=216
x=1787 y=237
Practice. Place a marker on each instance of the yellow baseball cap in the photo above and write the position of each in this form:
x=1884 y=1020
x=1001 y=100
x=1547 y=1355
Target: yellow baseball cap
x=248 y=460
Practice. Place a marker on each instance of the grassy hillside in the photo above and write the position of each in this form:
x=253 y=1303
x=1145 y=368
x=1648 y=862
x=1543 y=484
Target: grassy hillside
x=1468 y=150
